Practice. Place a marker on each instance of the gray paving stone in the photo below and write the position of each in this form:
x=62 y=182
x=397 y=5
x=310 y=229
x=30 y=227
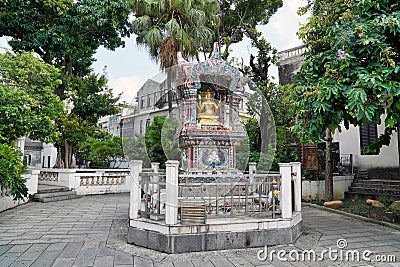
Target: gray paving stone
x=103 y=261
x=163 y=264
x=71 y=250
x=202 y=263
x=19 y=248
x=121 y=258
x=9 y=257
x=3 y=249
x=141 y=262
x=221 y=262
x=63 y=262
x=183 y=263
x=57 y=246
x=238 y=262
x=46 y=258
x=86 y=257
x=20 y=263
x=33 y=252
x=104 y=251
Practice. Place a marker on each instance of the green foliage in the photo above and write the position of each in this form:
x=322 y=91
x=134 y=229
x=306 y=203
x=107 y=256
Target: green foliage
x=159 y=140
x=169 y=139
x=106 y=152
x=65 y=33
x=11 y=169
x=92 y=98
x=351 y=72
x=134 y=148
x=239 y=18
x=167 y=27
x=28 y=105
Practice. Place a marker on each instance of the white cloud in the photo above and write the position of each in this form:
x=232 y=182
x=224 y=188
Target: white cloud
x=128 y=86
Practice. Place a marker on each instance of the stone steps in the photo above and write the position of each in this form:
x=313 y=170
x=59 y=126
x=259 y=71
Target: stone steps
x=367 y=190
x=49 y=193
x=364 y=187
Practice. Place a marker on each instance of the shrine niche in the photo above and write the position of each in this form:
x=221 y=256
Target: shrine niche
x=210 y=94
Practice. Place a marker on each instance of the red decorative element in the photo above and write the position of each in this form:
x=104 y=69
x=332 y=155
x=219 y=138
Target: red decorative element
x=204 y=189
x=190 y=189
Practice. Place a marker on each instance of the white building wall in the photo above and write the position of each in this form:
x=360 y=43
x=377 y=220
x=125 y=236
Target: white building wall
x=349 y=143
x=49 y=153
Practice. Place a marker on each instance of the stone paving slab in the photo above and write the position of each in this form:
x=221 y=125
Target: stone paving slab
x=91 y=231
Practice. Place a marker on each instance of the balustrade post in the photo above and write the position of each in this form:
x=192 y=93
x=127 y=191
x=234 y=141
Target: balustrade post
x=252 y=171
x=171 y=209
x=285 y=170
x=155 y=166
x=296 y=167
x=135 y=195
x=154 y=178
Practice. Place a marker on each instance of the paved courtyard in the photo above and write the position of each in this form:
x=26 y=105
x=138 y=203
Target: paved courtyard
x=91 y=231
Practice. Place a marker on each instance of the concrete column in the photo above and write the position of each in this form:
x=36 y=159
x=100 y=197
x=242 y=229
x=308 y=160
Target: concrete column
x=155 y=166
x=252 y=167
x=135 y=196
x=285 y=170
x=296 y=167
x=171 y=198
x=252 y=171
x=154 y=178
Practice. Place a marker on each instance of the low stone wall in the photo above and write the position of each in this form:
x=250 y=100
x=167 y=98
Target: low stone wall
x=7 y=202
x=316 y=189
x=88 y=181
x=243 y=233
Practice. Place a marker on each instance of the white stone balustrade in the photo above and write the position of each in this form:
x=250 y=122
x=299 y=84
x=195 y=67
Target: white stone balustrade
x=88 y=181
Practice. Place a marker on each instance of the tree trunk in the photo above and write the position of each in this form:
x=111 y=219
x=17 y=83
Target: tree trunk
x=169 y=87
x=328 y=167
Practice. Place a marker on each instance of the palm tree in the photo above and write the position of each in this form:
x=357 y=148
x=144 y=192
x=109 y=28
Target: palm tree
x=169 y=26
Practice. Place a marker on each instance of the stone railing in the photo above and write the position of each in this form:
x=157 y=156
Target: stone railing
x=165 y=197
x=293 y=52
x=88 y=181
x=48 y=176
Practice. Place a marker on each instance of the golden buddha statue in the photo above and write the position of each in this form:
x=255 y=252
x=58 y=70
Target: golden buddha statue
x=209 y=117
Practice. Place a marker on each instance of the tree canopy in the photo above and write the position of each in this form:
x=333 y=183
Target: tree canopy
x=28 y=105
x=351 y=71
x=66 y=34
x=167 y=27
x=239 y=18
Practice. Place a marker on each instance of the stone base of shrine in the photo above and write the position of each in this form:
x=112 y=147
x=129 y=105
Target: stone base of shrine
x=216 y=234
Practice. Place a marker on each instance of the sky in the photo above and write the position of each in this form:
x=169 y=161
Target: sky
x=129 y=67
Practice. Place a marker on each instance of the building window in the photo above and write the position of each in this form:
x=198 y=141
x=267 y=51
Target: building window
x=48 y=161
x=141 y=127
x=156 y=97
x=142 y=102
x=148 y=101
x=368 y=134
x=27 y=159
x=147 y=124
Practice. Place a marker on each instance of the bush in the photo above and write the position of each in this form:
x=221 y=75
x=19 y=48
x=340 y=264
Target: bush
x=11 y=169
